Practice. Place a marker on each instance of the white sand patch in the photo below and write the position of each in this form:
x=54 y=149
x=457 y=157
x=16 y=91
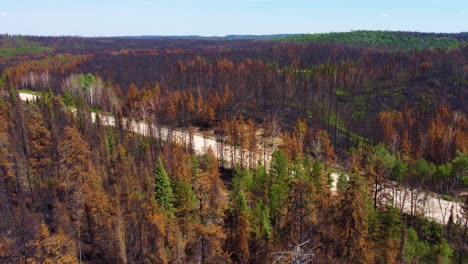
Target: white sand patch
x=422 y=203
x=27 y=97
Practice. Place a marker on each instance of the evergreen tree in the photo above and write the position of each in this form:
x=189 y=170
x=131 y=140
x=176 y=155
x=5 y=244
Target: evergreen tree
x=240 y=215
x=260 y=183
x=352 y=220
x=342 y=183
x=278 y=190
x=186 y=204
x=162 y=189
x=386 y=226
x=415 y=251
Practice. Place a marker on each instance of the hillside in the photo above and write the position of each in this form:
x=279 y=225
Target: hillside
x=330 y=148
x=389 y=39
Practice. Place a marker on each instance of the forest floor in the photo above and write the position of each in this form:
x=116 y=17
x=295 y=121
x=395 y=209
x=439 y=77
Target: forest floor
x=410 y=201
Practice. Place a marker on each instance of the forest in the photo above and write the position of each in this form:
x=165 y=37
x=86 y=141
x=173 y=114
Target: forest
x=316 y=148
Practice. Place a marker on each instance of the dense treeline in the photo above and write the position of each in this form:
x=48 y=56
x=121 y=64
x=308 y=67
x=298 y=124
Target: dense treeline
x=76 y=191
x=389 y=39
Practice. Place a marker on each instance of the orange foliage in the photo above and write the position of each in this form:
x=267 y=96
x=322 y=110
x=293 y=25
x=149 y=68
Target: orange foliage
x=59 y=63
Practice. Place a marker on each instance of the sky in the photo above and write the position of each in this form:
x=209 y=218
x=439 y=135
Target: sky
x=224 y=17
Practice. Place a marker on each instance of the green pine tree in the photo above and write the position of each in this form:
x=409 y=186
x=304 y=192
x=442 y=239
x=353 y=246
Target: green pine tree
x=162 y=188
x=342 y=183
x=279 y=166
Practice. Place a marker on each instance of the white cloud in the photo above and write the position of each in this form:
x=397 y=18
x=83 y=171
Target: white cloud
x=3 y=14
x=384 y=15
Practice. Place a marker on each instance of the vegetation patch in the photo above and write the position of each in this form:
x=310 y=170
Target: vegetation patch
x=402 y=40
x=16 y=46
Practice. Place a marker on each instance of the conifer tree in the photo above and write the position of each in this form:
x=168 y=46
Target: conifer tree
x=240 y=215
x=186 y=204
x=342 y=183
x=353 y=221
x=162 y=188
x=278 y=190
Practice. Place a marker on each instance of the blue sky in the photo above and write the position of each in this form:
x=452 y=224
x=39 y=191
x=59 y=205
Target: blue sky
x=222 y=17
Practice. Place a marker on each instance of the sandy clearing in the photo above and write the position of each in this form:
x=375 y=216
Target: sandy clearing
x=27 y=97
x=200 y=143
x=417 y=202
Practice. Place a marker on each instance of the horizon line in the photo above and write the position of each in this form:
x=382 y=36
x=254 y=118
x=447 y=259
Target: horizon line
x=227 y=35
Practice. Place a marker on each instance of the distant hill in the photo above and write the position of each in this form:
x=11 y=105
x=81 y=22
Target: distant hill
x=166 y=37
x=227 y=37
x=265 y=37
x=405 y=40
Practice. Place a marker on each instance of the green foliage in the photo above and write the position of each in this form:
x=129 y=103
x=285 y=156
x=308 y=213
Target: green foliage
x=342 y=92
x=444 y=171
x=240 y=202
x=277 y=196
x=16 y=46
x=261 y=221
x=391 y=222
x=464 y=181
x=195 y=165
x=317 y=174
x=460 y=168
x=243 y=180
x=242 y=184
x=68 y=99
x=427 y=247
x=424 y=169
x=415 y=251
x=399 y=170
x=86 y=82
x=374 y=221
x=8 y=53
x=279 y=165
x=342 y=183
x=278 y=190
x=380 y=38
x=428 y=230
x=3 y=81
x=447 y=197
x=384 y=157
x=185 y=198
x=248 y=180
x=444 y=252
x=162 y=188
x=260 y=182
x=330 y=180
